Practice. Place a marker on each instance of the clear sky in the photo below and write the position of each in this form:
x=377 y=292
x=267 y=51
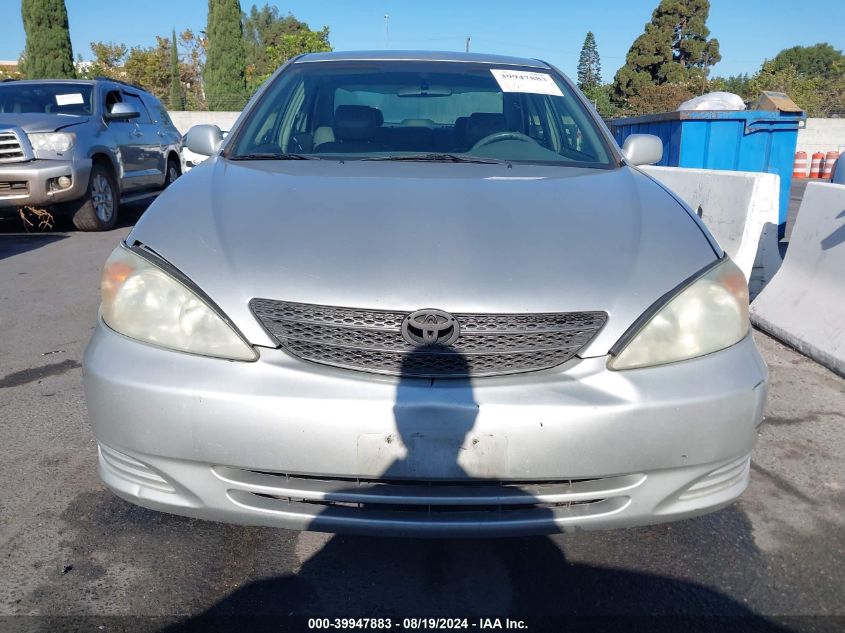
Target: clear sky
x=749 y=31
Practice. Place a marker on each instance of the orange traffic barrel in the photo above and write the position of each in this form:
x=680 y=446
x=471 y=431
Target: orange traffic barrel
x=799 y=166
x=816 y=165
x=829 y=161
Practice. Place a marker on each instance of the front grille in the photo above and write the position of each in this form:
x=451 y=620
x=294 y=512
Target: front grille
x=14 y=188
x=371 y=340
x=372 y=498
x=10 y=148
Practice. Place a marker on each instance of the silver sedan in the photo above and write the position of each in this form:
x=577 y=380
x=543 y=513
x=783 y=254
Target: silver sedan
x=423 y=294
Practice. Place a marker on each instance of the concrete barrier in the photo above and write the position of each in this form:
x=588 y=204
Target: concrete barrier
x=739 y=208
x=804 y=305
x=185 y=120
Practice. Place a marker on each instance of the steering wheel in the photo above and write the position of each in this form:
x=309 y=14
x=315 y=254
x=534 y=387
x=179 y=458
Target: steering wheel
x=506 y=135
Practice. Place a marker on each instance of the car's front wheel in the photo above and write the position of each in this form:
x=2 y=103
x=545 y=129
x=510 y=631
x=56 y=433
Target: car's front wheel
x=97 y=209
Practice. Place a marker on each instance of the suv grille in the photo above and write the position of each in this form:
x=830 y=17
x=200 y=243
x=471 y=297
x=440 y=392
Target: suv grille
x=371 y=340
x=10 y=148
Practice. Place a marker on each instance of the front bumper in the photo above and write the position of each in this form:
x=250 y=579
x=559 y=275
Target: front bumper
x=28 y=183
x=284 y=443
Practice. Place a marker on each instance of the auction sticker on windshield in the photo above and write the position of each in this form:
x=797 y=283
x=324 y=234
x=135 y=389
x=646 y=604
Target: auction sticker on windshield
x=69 y=99
x=525 y=81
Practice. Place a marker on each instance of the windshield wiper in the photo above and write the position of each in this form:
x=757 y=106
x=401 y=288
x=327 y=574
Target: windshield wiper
x=439 y=158
x=273 y=156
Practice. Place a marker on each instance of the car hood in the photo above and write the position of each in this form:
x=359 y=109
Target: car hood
x=40 y=122
x=406 y=236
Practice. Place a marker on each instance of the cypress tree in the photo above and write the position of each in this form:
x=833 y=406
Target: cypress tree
x=177 y=100
x=589 y=64
x=225 y=66
x=48 y=53
x=673 y=49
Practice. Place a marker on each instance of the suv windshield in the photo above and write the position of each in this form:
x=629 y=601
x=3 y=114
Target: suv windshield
x=409 y=110
x=46 y=98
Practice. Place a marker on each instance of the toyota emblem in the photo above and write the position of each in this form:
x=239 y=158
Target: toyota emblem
x=430 y=327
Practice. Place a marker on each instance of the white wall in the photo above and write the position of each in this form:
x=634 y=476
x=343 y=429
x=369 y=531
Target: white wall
x=184 y=120
x=822 y=135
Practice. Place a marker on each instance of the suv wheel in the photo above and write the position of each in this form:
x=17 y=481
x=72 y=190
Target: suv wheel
x=173 y=172
x=97 y=210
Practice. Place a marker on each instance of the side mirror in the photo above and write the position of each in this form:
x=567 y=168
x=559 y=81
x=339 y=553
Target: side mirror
x=122 y=111
x=204 y=140
x=642 y=149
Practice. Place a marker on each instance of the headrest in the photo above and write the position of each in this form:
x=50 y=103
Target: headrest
x=323 y=134
x=483 y=124
x=461 y=125
x=356 y=122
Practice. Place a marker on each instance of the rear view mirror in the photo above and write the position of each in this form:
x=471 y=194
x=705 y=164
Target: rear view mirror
x=643 y=149
x=122 y=111
x=426 y=91
x=204 y=140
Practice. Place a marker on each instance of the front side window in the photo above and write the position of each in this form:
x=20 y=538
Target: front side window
x=46 y=98
x=135 y=101
x=384 y=109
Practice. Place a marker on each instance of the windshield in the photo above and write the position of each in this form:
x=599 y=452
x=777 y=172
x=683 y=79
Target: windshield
x=47 y=98
x=427 y=110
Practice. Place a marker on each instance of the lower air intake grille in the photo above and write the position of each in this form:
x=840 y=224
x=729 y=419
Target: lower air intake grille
x=372 y=340
x=14 y=188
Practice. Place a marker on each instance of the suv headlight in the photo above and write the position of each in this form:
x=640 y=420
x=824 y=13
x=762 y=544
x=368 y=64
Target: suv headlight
x=706 y=315
x=52 y=141
x=142 y=301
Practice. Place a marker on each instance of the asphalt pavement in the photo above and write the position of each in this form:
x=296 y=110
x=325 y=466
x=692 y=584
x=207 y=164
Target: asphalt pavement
x=75 y=557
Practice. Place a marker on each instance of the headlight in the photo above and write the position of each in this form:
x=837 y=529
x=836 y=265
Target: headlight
x=709 y=314
x=52 y=141
x=142 y=301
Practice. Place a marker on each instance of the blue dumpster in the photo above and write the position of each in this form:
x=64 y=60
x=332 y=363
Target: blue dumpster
x=741 y=140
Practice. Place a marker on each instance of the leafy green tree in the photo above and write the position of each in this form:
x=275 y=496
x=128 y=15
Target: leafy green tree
x=295 y=44
x=108 y=61
x=818 y=95
x=271 y=39
x=819 y=60
x=589 y=64
x=48 y=53
x=192 y=69
x=653 y=98
x=737 y=84
x=150 y=67
x=177 y=99
x=601 y=98
x=673 y=49
x=225 y=79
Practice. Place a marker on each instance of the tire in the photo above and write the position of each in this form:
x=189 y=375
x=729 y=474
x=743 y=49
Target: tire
x=174 y=170
x=97 y=209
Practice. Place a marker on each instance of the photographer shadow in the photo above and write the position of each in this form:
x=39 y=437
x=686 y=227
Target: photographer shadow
x=528 y=577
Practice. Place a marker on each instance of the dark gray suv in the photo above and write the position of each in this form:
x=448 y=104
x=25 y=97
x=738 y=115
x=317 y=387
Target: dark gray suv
x=82 y=148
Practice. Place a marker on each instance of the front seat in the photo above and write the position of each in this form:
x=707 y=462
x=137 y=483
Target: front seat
x=354 y=128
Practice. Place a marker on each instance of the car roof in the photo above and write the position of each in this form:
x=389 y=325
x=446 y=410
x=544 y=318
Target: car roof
x=428 y=56
x=83 y=82
x=87 y=82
